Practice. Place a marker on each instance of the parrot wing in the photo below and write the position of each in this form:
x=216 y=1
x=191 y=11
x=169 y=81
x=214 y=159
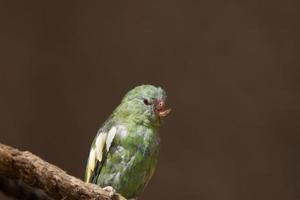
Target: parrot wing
x=99 y=149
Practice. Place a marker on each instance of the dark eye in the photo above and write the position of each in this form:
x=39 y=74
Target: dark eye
x=146 y=102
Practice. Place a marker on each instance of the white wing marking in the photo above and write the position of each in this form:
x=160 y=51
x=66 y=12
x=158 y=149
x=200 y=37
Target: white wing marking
x=100 y=141
x=91 y=164
x=103 y=139
x=111 y=134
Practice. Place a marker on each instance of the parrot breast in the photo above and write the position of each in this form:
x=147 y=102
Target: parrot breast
x=131 y=160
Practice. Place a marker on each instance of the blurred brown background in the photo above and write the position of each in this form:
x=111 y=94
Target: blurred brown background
x=230 y=68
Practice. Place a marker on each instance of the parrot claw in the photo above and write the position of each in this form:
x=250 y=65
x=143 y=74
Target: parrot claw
x=110 y=189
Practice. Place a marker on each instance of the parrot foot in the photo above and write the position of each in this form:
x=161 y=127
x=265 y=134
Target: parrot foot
x=110 y=189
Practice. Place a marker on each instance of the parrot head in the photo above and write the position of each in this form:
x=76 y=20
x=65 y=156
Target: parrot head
x=144 y=103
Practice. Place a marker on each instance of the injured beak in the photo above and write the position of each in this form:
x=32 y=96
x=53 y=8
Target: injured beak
x=160 y=109
x=164 y=113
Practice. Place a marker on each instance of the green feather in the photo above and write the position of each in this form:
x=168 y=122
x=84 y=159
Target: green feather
x=129 y=162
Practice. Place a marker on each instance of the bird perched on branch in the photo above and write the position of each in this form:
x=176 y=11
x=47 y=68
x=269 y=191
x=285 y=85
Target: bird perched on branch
x=125 y=150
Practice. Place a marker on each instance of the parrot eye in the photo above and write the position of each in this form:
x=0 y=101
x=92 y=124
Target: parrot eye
x=146 y=102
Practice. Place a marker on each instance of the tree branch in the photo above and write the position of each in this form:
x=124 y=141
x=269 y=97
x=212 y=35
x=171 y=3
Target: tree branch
x=55 y=182
x=20 y=190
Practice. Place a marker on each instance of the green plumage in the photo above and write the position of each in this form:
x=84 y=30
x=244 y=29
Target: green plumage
x=125 y=151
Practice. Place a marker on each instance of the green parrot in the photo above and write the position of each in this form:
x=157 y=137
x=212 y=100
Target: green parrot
x=125 y=150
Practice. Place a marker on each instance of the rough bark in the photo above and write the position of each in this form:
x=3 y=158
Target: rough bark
x=37 y=173
x=20 y=190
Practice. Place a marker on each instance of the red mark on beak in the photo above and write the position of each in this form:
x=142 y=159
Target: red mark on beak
x=160 y=109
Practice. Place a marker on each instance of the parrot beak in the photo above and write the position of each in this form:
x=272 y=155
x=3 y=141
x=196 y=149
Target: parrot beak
x=160 y=108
